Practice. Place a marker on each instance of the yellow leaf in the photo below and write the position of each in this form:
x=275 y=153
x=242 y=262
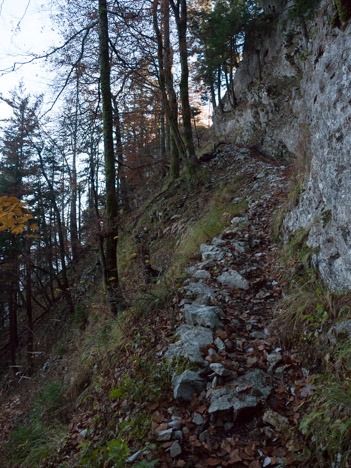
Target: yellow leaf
x=116 y=237
x=17 y=229
x=34 y=227
x=13 y=215
x=112 y=278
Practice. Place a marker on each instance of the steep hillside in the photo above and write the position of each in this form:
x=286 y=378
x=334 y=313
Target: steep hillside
x=208 y=366
x=234 y=346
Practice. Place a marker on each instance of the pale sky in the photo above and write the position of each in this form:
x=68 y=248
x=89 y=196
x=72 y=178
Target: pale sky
x=25 y=28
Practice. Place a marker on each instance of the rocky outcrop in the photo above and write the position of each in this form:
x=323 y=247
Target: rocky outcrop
x=293 y=89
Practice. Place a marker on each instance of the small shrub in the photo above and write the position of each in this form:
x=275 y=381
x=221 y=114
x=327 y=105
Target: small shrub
x=330 y=408
x=219 y=212
x=31 y=443
x=50 y=403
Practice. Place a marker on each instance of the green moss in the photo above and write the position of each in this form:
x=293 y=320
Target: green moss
x=326 y=217
x=290 y=203
x=343 y=8
x=303 y=8
x=296 y=252
x=182 y=364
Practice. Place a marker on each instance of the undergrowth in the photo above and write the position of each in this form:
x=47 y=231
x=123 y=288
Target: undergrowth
x=109 y=369
x=34 y=439
x=305 y=319
x=217 y=215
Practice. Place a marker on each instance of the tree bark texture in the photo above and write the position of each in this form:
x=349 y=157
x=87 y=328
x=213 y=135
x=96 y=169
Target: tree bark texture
x=114 y=296
x=181 y=16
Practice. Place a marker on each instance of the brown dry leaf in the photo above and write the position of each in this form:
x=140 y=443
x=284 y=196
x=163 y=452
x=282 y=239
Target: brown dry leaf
x=225 y=445
x=234 y=456
x=250 y=450
x=158 y=417
x=255 y=464
x=295 y=418
x=162 y=427
x=152 y=407
x=180 y=463
x=245 y=456
x=201 y=409
x=154 y=424
x=279 y=452
x=222 y=334
x=167 y=444
x=251 y=361
x=213 y=461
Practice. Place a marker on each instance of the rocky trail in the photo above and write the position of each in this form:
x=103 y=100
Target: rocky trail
x=238 y=404
x=238 y=393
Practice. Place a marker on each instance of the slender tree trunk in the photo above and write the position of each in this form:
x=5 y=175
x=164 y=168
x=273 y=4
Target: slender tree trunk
x=163 y=131
x=114 y=294
x=61 y=237
x=181 y=16
x=73 y=214
x=175 y=150
x=219 y=84
x=177 y=145
x=213 y=97
x=122 y=189
x=29 y=312
x=13 y=339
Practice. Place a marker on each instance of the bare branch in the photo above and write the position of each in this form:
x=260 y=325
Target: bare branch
x=17 y=65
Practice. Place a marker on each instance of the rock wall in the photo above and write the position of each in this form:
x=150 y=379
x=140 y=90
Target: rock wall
x=294 y=96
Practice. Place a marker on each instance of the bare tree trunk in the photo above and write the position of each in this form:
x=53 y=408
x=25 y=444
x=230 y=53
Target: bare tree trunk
x=73 y=214
x=13 y=338
x=122 y=189
x=177 y=145
x=114 y=294
x=181 y=17
x=29 y=311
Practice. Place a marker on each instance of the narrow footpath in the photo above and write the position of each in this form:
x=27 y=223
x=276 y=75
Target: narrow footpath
x=237 y=402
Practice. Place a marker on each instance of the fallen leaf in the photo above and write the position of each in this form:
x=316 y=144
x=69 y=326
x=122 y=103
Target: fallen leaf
x=255 y=464
x=213 y=461
x=162 y=427
x=167 y=444
x=234 y=456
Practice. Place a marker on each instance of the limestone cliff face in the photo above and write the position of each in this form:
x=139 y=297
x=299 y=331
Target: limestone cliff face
x=294 y=101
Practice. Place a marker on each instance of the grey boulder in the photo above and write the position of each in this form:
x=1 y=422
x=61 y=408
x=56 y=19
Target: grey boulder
x=200 y=336
x=233 y=279
x=250 y=391
x=187 y=350
x=208 y=316
x=211 y=252
x=199 y=291
x=187 y=383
